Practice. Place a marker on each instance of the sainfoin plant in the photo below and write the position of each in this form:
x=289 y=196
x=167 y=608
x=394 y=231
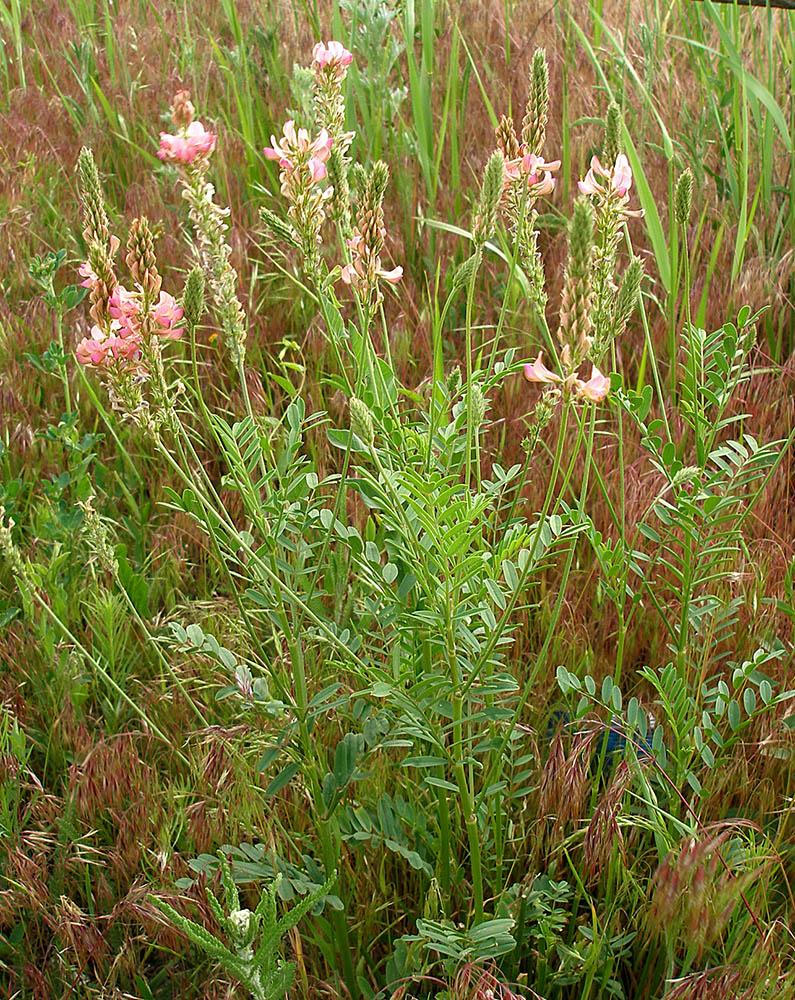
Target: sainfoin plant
x=382 y=594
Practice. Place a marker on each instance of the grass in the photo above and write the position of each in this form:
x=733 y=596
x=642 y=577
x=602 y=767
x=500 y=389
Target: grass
x=486 y=804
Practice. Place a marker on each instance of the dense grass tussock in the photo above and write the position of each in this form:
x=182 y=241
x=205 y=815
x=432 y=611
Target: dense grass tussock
x=396 y=580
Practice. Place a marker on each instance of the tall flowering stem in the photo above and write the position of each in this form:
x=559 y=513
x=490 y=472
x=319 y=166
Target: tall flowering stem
x=302 y=163
x=576 y=302
x=528 y=177
x=368 y=241
x=608 y=189
x=189 y=150
x=330 y=64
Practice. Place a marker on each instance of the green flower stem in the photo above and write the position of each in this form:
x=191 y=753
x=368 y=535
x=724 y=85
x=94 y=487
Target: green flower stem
x=464 y=788
x=62 y=362
x=468 y=331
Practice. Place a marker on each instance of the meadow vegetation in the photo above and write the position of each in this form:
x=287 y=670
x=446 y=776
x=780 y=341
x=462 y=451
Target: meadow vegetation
x=397 y=582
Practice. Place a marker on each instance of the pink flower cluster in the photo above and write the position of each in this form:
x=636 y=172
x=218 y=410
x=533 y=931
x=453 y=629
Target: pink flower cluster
x=357 y=271
x=125 y=307
x=594 y=390
x=295 y=149
x=102 y=347
x=190 y=144
x=615 y=182
x=333 y=56
x=124 y=338
x=537 y=172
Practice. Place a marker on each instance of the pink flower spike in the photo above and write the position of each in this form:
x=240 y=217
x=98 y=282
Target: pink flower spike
x=334 y=54
x=193 y=143
x=595 y=389
x=538 y=372
x=125 y=309
x=622 y=175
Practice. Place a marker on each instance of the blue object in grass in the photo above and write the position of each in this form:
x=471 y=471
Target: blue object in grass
x=612 y=740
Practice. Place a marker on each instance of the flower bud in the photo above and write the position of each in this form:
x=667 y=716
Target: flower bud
x=454 y=382
x=279 y=229
x=506 y=138
x=464 y=271
x=628 y=295
x=242 y=926
x=182 y=111
x=478 y=405
x=534 y=123
x=95 y=219
x=490 y=194
x=193 y=298
x=683 y=197
x=577 y=297
x=361 y=421
x=141 y=258
x=613 y=125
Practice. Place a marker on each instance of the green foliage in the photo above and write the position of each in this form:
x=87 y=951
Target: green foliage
x=255 y=936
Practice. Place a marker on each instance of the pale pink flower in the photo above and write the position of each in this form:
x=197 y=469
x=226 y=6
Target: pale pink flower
x=535 y=170
x=192 y=143
x=295 y=147
x=538 y=372
x=87 y=272
x=357 y=270
x=595 y=389
x=100 y=347
x=334 y=55
x=622 y=175
x=393 y=276
x=166 y=314
x=619 y=178
x=125 y=307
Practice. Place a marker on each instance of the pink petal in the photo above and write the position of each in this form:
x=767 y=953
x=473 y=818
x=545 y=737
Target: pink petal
x=596 y=388
x=538 y=372
x=392 y=276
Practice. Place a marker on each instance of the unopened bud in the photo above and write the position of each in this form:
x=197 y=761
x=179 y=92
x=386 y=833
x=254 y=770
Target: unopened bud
x=490 y=195
x=182 y=111
x=283 y=231
x=506 y=138
x=464 y=272
x=361 y=421
x=141 y=258
x=576 y=302
x=534 y=123
x=193 y=298
x=95 y=219
x=613 y=124
x=242 y=927
x=454 y=382
x=628 y=295
x=96 y=533
x=684 y=197
x=478 y=405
